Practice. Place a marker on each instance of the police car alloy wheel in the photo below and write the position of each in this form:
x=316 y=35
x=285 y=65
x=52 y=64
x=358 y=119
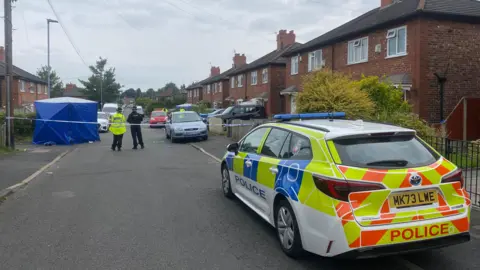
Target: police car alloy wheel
x=226 y=187
x=287 y=230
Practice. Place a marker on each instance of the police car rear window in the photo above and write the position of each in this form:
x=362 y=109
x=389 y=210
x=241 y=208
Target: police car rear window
x=385 y=152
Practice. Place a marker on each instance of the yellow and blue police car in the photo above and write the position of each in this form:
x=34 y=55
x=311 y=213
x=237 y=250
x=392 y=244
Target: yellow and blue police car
x=337 y=187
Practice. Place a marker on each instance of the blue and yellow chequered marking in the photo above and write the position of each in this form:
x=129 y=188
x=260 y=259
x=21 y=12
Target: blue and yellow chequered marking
x=290 y=177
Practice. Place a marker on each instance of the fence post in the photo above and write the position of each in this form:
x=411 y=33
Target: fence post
x=448 y=150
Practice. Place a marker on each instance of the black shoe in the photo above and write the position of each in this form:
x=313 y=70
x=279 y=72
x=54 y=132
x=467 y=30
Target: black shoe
x=143 y=147
x=134 y=148
x=119 y=149
x=113 y=148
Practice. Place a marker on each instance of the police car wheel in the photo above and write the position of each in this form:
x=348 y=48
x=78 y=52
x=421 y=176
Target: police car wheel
x=226 y=186
x=287 y=230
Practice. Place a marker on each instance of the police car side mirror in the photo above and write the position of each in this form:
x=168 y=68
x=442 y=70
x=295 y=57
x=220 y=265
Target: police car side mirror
x=233 y=147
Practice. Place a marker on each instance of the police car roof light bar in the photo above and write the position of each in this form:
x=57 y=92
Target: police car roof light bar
x=305 y=116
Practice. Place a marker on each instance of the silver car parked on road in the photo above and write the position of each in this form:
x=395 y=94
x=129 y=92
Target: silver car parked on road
x=185 y=125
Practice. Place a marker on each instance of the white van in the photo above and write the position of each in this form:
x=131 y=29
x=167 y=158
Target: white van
x=110 y=108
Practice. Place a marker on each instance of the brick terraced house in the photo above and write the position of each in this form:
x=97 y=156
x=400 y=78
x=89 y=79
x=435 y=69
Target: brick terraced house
x=219 y=85
x=196 y=91
x=26 y=87
x=413 y=43
x=262 y=80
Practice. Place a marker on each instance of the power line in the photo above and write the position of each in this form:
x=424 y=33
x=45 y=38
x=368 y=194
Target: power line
x=123 y=18
x=66 y=33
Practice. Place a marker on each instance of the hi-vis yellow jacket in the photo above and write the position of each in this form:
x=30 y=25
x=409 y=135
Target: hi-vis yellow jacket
x=118 y=126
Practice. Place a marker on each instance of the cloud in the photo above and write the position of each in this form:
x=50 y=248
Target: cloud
x=151 y=43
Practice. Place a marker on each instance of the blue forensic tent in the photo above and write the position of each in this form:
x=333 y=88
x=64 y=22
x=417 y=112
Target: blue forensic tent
x=65 y=109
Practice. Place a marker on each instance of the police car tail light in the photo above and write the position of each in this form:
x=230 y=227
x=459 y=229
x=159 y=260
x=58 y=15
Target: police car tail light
x=457 y=176
x=340 y=189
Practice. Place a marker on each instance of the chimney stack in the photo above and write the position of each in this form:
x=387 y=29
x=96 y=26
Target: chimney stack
x=214 y=71
x=2 y=54
x=239 y=60
x=384 y=3
x=285 y=39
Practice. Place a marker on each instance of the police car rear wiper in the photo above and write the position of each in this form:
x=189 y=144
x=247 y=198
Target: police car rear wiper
x=392 y=162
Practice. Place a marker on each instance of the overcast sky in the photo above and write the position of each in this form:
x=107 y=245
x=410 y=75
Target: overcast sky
x=153 y=42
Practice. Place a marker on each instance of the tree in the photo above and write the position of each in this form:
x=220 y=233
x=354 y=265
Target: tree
x=102 y=80
x=55 y=82
x=150 y=93
x=327 y=91
x=130 y=92
x=138 y=93
x=144 y=102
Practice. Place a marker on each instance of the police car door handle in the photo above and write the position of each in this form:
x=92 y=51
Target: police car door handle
x=248 y=163
x=274 y=170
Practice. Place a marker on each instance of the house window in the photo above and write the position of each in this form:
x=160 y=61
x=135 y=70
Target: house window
x=21 y=86
x=220 y=87
x=39 y=88
x=31 y=86
x=358 y=51
x=315 y=60
x=254 y=77
x=45 y=88
x=208 y=89
x=294 y=65
x=265 y=75
x=232 y=82
x=240 y=80
x=397 y=41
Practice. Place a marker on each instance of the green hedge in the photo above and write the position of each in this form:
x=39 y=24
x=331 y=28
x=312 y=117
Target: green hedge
x=23 y=128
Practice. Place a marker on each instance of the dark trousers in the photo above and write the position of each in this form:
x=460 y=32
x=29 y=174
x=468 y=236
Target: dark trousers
x=117 y=141
x=136 y=133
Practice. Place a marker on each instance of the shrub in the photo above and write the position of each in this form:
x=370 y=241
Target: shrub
x=327 y=91
x=412 y=121
x=22 y=127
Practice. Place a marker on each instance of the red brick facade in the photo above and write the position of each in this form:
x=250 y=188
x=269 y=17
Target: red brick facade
x=431 y=45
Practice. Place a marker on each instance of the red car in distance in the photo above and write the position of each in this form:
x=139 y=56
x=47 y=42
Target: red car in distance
x=158 y=119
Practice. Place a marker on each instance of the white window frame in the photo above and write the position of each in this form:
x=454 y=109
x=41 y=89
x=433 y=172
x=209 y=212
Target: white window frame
x=39 y=88
x=315 y=60
x=21 y=85
x=208 y=89
x=392 y=36
x=294 y=65
x=351 y=55
x=254 y=77
x=220 y=86
x=45 y=88
x=232 y=82
x=240 y=80
x=265 y=75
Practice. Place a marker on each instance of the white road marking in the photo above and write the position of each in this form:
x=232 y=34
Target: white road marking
x=205 y=152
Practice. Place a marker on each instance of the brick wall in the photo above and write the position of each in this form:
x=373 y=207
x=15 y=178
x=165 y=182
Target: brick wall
x=449 y=42
x=221 y=96
x=277 y=84
x=254 y=91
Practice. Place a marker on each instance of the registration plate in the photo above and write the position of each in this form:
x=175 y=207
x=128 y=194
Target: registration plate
x=413 y=198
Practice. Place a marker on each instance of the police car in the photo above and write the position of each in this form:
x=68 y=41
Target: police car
x=341 y=188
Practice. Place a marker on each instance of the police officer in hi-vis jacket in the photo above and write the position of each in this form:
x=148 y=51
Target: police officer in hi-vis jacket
x=118 y=128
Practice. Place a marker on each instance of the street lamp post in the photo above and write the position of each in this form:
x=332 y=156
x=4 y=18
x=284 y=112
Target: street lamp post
x=48 y=52
x=101 y=90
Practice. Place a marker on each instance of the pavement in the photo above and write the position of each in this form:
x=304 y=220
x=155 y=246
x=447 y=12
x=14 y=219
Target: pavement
x=157 y=208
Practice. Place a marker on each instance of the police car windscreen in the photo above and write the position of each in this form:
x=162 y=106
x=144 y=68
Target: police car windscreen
x=385 y=151
x=185 y=117
x=156 y=114
x=109 y=109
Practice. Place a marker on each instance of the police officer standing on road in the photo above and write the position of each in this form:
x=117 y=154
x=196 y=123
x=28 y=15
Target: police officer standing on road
x=118 y=128
x=135 y=119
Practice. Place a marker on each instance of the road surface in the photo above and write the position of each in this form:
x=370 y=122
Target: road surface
x=157 y=208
